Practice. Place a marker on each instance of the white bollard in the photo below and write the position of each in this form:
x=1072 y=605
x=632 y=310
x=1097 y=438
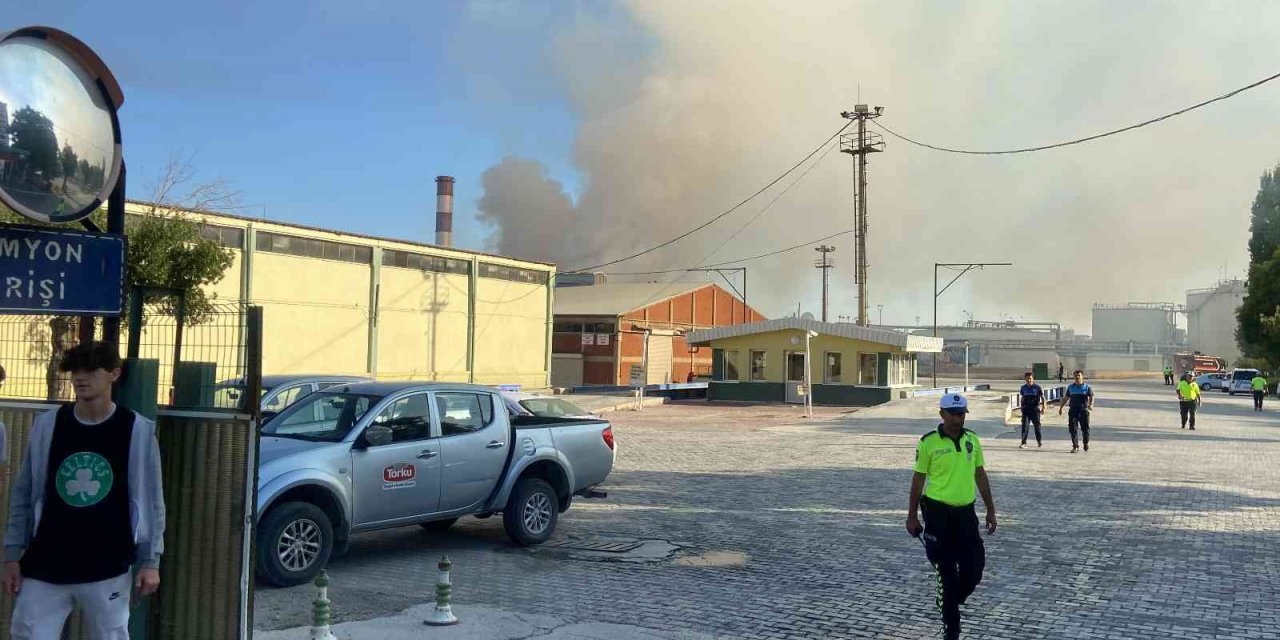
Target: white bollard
x=320 y=612
x=443 y=614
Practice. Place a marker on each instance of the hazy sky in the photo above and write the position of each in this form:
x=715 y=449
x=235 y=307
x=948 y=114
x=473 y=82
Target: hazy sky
x=580 y=131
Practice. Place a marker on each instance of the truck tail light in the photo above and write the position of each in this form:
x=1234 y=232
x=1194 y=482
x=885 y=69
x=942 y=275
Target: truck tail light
x=607 y=434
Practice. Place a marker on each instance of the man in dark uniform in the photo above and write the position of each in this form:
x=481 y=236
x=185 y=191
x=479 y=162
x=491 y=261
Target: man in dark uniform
x=1080 y=399
x=948 y=474
x=1032 y=396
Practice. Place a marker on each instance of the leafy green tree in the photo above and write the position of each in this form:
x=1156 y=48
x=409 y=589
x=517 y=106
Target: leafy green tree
x=70 y=162
x=1258 y=333
x=165 y=250
x=32 y=133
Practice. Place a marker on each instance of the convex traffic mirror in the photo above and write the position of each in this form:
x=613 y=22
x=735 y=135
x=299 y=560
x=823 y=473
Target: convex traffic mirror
x=60 y=150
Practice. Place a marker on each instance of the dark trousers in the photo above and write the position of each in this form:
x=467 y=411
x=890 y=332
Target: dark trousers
x=955 y=549
x=1257 y=399
x=1078 y=423
x=1188 y=409
x=1030 y=417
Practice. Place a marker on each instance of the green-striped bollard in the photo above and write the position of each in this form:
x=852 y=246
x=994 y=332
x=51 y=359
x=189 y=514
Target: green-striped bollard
x=443 y=614
x=321 y=611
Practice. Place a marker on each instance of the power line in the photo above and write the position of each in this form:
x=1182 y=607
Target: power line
x=727 y=212
x=705 y=258
x=736 y=261
x=1079 y=140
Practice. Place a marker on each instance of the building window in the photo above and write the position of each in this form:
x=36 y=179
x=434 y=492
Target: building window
x=514 y=274
x=730 y=364
x=832 y=372
x=568 y=327
x=867 y=363
x=757 y=365
x=312 y=248
x=420 y=262
x=230 y=237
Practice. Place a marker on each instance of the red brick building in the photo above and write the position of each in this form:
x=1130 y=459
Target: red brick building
x=602 y=330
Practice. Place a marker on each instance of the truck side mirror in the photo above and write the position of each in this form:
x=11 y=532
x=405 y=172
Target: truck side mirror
x=376 y=436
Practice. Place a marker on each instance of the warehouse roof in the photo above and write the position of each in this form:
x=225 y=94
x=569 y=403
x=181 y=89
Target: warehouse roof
x=842 y=329
x=617 y=298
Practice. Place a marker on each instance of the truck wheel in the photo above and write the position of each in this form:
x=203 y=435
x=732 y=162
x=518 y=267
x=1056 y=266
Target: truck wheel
x=294 y=544
x=530 y=516
x=438 y=526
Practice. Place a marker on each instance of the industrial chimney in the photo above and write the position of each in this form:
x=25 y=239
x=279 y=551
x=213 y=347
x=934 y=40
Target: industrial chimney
x=444 y=211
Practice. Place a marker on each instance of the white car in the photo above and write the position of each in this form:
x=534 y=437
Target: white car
x=1209 y=381
x=529 y=404
x=1241 y=381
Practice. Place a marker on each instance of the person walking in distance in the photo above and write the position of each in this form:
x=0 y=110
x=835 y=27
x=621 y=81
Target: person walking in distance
x=1168 y=375
x=1080 y=400
x=1062 y=370
x=87 y=504
x=1259 y=386
x=1032 y=407
x=949 y=472
x=1188 y=399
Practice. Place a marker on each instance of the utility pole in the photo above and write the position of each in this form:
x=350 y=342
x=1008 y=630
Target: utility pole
x=824 y=263
x=859 y=145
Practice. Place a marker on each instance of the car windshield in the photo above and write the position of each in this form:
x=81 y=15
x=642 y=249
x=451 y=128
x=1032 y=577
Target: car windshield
x=551 y=407
x=322 y=416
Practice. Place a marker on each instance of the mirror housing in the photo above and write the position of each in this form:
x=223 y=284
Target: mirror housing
x=376 y=436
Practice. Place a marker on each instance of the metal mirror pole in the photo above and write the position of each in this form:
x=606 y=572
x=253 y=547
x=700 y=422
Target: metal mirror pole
x=115 y=224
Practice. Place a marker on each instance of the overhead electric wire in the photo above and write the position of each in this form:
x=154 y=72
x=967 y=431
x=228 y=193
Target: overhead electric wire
x=1078 y=140
x=725 y=213
x=802 y=245
x=702 y=263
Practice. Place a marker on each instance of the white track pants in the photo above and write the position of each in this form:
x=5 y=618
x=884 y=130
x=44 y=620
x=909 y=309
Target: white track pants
x=42 y=609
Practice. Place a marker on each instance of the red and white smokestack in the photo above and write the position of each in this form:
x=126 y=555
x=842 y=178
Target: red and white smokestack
x=444 y=211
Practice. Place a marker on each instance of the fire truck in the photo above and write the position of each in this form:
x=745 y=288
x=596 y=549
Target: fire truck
x=1198 y=363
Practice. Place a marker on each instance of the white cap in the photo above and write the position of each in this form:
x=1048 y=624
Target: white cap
x=954 y=401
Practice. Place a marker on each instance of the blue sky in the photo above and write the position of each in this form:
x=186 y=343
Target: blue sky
x=338 y=114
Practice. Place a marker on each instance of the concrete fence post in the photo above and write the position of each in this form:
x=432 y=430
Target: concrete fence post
x=443 y=614
x=321 y=611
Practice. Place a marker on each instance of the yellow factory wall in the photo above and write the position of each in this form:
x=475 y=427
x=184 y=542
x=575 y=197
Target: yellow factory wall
x=315 y=314
x=422 y=325
x=777 y=343
x=511 y=333
x=228 y=288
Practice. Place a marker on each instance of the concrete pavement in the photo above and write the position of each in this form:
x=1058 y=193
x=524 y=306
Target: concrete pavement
x=483 y=623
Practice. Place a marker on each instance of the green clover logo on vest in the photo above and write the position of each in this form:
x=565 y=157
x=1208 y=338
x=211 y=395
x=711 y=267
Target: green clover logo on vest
x=84 y=479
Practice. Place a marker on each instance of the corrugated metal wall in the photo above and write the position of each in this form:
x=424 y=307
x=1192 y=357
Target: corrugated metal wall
x=209 y=463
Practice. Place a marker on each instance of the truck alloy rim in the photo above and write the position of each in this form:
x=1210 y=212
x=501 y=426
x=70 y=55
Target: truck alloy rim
x=537 y=513
x=299 y=544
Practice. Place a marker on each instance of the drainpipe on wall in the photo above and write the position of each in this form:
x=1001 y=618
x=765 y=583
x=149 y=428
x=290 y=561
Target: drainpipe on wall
x=471 y=319
x=375 y=291
x=551 y=318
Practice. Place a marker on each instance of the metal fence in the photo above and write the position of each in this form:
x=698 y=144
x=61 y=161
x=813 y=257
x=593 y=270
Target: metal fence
x=200 y=361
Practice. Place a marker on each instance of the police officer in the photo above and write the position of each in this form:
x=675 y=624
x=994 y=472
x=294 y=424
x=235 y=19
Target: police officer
x=1259 y=386
x=1032 y=407
x=1188 y=399
x=949 y=472
x=1080 y=399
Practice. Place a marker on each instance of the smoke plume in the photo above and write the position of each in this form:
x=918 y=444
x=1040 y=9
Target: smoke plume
x=683 y=108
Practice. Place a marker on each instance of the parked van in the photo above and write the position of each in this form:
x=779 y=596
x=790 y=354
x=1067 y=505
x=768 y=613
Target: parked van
x=1240 y=381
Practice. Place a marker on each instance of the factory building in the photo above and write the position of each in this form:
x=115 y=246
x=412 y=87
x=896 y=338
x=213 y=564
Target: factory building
x=603 y=330
x=1211 y=319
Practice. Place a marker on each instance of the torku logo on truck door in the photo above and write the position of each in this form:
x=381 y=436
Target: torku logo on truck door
x=399 y=476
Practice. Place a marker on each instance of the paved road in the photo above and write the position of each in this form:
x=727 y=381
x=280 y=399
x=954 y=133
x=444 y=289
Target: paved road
x=793 y=529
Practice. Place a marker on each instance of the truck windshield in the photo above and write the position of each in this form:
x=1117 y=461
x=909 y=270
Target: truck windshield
x=322 y=416
x=1246 y=374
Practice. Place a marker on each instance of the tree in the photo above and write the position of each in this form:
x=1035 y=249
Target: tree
x=32 y=133
x=1259 y=316
x=165 y=250
x=70 y=162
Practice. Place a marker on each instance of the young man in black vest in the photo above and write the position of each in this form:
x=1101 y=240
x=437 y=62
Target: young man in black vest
x=87 y=504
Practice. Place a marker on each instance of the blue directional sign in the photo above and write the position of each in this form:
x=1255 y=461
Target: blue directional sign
x=57 y=272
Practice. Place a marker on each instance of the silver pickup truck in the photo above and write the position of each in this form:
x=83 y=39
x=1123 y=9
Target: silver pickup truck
x=366 y=456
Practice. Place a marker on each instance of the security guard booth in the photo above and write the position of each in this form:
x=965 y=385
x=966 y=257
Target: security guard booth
x=849 y=365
